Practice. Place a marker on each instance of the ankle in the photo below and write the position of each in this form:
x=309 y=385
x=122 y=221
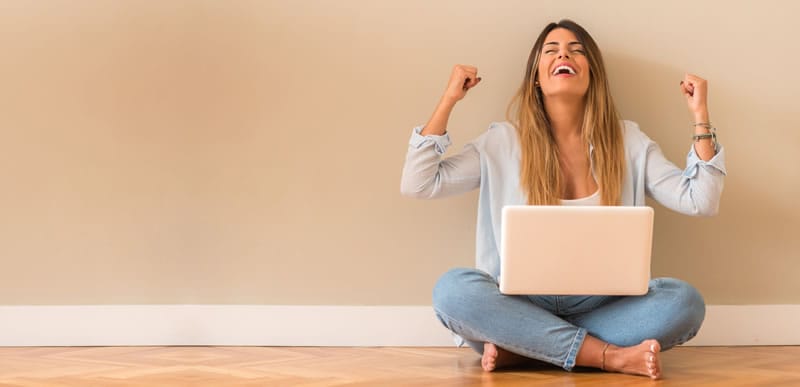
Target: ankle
x=603 y=357
x=613 y=360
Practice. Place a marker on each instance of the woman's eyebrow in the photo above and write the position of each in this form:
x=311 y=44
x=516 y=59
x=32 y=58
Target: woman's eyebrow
x=569 y=44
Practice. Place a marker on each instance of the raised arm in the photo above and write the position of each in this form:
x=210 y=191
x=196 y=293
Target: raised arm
x=425 y=173
x=462 y=79
x=697 y=189
x=695 y=89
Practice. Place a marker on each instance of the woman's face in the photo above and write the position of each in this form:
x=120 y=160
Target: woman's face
x=563 y=67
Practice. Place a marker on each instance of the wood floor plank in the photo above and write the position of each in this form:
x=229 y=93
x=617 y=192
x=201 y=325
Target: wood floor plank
x=313 y=367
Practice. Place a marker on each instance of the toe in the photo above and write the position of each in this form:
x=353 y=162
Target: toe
x=656 y=375
x=487 y=364
x=655 y=347
x=489 y=358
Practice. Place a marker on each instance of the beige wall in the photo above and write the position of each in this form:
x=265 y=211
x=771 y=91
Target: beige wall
x=250 y=152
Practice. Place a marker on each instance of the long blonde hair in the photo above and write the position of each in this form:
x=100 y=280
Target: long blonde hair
x=540 y=175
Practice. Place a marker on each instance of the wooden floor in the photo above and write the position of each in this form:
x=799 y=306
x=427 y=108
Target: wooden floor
x=311 y=366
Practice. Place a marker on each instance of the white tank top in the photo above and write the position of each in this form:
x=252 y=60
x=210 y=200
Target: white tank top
x=591 y=200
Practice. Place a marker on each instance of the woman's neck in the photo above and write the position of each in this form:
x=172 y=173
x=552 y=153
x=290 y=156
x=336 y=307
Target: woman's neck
x=566 y=118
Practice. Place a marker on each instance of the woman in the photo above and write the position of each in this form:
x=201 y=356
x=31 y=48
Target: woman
x=564 y=145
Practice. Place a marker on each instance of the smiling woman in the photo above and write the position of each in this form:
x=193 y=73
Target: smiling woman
x=564 y=143
x=583 y=87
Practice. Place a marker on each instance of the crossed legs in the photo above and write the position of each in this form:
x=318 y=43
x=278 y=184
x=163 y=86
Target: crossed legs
x=619 y=334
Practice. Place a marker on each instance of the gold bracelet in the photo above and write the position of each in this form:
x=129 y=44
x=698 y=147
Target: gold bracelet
x=698 y=137
x=706 y=125
x=603 y=365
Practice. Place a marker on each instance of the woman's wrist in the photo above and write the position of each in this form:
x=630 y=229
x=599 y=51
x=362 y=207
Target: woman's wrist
x=705 y=141
x=701 y=122
x=437 y=125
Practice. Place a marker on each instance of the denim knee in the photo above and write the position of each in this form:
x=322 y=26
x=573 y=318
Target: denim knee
x=688 y=309
x=453 y=288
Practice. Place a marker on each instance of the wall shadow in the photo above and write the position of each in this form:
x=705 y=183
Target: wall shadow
x=748 y=252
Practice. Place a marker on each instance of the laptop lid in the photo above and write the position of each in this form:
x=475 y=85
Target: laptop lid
x=582 y=250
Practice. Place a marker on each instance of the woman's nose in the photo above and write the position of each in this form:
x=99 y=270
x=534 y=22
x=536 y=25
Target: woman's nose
x=563 y=55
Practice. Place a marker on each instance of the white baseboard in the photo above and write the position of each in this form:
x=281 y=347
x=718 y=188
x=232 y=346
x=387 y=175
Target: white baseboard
x=265 y=325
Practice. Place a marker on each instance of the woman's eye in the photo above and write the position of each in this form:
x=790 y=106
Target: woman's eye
x=549 y=51
x=579 y=52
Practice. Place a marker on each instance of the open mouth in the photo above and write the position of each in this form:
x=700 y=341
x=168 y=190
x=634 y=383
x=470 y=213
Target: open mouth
x=564 y=70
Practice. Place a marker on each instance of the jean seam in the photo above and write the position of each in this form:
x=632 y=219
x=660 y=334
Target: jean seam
x=683 y=339
x=508 y=346
x=577 y=343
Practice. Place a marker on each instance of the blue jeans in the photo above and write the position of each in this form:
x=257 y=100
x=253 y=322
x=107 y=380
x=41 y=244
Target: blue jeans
x=552 y=328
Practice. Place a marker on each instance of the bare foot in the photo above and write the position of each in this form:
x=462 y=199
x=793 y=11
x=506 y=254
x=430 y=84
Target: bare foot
x=495 y=357
x=642 y=359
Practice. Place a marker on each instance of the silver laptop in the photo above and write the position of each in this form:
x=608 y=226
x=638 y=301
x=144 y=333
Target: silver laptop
x=582 y=250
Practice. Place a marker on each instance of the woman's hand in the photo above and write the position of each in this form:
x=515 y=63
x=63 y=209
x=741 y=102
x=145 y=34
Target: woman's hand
x=695 y=89
x=462 y=79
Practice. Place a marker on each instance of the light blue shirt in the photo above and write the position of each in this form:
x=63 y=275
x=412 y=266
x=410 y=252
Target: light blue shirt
x=491 y=163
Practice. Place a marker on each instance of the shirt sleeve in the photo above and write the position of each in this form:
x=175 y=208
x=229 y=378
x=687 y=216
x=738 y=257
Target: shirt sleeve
x=427 y=175
x=694 y=191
